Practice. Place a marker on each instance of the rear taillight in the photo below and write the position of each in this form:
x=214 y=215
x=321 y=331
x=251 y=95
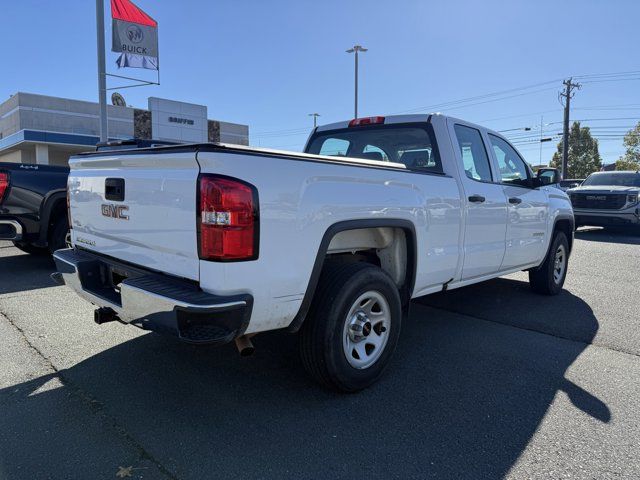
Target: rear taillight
x=228 y=219
x=358 y=122
x=4 y=184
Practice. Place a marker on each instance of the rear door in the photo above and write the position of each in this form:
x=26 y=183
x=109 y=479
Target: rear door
x=484 y=201
x=139 y=208
x=528 y=207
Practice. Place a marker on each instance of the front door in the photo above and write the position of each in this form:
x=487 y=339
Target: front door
x=484 y=204
x=528 y=207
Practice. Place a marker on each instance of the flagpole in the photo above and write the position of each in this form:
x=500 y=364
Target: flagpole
x=102 y=77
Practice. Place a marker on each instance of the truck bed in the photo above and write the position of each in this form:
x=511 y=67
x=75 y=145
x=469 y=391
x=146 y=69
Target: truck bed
x=300 y=197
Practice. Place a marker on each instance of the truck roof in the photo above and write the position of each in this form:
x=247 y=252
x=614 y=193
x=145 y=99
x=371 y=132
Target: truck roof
x=411 y=118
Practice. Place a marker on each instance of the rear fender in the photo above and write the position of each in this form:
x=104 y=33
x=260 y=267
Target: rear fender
x=406 y=290
x=50 y=204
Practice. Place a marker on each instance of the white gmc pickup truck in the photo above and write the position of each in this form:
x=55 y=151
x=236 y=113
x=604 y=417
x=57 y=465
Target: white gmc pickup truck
x=214 y=243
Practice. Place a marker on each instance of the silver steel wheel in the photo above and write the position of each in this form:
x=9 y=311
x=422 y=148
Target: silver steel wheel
x=559 y=264
x=366 y=329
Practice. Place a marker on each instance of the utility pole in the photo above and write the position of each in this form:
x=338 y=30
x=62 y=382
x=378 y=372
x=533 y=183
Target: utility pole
x=568 y=95
x=315 y=119
x=541 y=126
x=102 y=74
x=356 y=49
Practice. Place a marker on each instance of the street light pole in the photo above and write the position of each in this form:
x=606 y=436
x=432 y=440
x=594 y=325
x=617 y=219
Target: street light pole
x=102 y=77
x=315 y=119
x=356 y=49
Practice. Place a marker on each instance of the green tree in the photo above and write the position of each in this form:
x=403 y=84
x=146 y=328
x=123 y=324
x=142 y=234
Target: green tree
x=631 y=158
x=584 y=157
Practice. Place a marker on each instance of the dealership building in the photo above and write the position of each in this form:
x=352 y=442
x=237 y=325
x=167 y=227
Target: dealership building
x=48 y=130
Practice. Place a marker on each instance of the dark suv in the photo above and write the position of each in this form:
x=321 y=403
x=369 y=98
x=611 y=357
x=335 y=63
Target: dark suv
x=607 y=199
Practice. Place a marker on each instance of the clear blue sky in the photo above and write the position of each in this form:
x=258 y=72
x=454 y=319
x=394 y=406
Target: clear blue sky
x=270 y=63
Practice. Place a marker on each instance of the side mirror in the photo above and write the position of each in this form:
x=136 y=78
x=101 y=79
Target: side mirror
x=548 y=176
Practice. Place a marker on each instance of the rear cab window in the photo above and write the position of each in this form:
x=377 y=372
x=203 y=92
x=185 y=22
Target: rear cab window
x=412 y=145
x=334 y=147
x=474 y=154
x=513 y=169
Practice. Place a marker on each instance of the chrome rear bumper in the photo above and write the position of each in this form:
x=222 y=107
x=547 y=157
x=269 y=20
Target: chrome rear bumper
x=153 y=301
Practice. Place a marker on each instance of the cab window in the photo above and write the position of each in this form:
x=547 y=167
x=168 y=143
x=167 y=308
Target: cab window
x=513 y=169
x=334 y=147
x=375 y=153
x=412 y=145
x=474 y=156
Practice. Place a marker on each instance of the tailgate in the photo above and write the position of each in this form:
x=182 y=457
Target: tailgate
x=151 y=222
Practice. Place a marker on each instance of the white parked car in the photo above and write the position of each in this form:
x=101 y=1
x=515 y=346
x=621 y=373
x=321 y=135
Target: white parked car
x=214 y=243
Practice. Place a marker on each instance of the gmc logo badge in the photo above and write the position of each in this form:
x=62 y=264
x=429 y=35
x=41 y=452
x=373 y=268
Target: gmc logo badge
x=596 y=197
x=115 y=211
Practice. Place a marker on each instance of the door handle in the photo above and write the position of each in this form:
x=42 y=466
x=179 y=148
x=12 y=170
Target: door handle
x=477 y=198
x=515 y=200
x=114 y=189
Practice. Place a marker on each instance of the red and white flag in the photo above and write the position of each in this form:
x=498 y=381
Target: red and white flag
x=135 y=36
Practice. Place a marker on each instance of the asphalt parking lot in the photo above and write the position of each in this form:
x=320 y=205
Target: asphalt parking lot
x=490 y=381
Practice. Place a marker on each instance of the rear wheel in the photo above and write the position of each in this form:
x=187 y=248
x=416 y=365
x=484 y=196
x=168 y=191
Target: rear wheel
x=352 y=328
x=58 y=234
x=549 y=278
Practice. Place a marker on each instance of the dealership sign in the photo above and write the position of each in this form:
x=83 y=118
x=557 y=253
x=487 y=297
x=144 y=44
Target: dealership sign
x=184 y=121
x=134 y=36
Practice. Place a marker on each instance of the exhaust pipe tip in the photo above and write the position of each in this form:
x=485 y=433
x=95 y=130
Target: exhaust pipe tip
x=245 y=346
x=247 y=351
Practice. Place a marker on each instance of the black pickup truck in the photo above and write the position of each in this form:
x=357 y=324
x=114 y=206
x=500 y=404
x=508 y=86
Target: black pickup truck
x=33 y=206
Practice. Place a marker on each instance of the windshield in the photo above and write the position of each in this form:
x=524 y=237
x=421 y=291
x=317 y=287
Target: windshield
x=631 y=179
x=568 y=183
x=412 y=146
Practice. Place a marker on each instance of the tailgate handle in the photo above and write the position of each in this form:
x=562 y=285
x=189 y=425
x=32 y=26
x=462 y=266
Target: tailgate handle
x=114 y=189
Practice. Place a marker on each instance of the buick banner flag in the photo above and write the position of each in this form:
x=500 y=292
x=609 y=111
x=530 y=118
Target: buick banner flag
x=134 y=36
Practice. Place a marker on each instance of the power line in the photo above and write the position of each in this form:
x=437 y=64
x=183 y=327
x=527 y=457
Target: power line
x=612 y=74
x=518 y=116
x=465 y=102
x=581 y=120
x=623 y=106
x=611 y=80
x=491 y=97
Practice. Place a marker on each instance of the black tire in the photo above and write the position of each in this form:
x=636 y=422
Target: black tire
x=323 y=332
x=543 y=279
x=58 y=234
x=30 y=249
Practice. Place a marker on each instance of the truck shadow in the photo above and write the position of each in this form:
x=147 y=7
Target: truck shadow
x=461 y=400
x=21 y=272
x=512 y=302
x=609 y=236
